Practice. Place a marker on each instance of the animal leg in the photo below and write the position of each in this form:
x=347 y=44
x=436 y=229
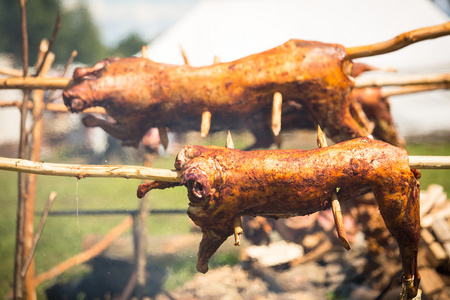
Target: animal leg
x=401 y=214
x=114 y=129
x=208 y=246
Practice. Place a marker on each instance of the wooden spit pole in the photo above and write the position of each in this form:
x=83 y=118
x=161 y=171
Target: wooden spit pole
x=55 y=83
x=398 y=42
x=82 y=171
x=138 y=172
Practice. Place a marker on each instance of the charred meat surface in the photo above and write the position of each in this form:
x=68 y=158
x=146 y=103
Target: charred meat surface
x=225 y=183
x=139 y=93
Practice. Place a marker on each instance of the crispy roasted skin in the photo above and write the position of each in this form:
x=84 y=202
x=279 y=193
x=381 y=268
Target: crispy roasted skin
x=139 y=93
x=376 y=108
x=224 y=183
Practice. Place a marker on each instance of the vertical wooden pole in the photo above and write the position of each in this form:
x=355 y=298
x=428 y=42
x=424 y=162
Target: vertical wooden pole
x=141 y=242
x=35 y=146
x=18 y=288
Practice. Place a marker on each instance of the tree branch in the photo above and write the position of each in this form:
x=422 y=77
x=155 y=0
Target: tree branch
x=400 y=41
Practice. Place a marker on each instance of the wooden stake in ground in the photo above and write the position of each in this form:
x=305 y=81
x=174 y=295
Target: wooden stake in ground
x=19 y=282
x=44 y=62
x=335 y=205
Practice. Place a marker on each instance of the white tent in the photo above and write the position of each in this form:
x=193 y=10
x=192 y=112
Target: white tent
x=236 y=28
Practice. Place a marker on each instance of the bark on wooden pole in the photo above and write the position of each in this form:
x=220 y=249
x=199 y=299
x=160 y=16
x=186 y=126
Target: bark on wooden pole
x=18 y=285
x=35 y=149
x=139 y=172
x=400 y=41
x=82 y=171
x=49 y=83
x=422 y=79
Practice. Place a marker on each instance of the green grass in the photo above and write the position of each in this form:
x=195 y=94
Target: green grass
x=63 y=236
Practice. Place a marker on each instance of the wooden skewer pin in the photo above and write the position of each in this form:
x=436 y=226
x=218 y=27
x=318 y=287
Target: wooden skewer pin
x=276 y=113
x=163 y=137
x=335 y=205
x=237 y=221
x=206 y=123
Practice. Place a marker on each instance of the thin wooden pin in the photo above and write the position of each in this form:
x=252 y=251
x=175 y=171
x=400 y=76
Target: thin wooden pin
x=237 y=224
x=206 y=123
x=339 y=221
x=183 y=53
x=321 y=141
x=144 y=52
x=229 y=144
x=276 y=113
x=335 y=205
x=163 y=137
x=216 y=60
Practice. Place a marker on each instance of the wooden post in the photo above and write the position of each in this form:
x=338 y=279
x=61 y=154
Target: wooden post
x=18 y=286
x=35 y=147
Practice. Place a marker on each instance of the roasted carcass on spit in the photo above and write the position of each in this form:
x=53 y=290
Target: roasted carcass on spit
x=224 y=184
x=139 y=93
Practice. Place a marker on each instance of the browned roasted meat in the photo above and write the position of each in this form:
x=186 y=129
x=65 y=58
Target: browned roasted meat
x=139 y=93
x=371 y=101
x=226 y=183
